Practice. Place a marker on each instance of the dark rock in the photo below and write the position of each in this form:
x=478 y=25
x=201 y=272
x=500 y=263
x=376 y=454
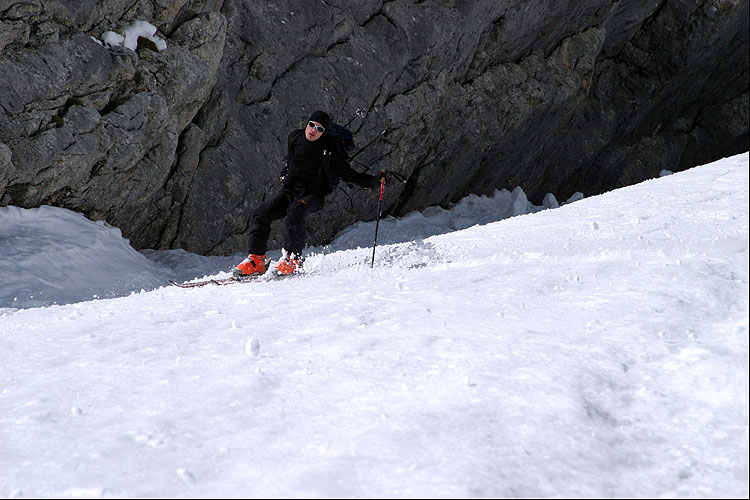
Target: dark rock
x=177 y=147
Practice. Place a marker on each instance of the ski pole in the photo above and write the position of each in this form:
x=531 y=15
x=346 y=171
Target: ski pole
x=377 y=221
x=367 y=145
x=361 y=113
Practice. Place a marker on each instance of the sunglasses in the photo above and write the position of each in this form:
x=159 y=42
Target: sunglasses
x=317 y=128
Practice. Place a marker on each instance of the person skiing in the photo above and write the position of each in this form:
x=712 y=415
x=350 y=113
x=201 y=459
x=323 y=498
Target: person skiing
x=313 y=168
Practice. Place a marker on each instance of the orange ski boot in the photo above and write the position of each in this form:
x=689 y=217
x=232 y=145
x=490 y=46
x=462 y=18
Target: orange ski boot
x=253 y=265
x=288 y=264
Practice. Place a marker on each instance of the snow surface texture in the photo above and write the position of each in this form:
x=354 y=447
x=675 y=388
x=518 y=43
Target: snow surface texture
x=99 y=263
x=595 y=350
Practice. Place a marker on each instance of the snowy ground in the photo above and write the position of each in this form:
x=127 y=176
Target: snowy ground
x=595 y=350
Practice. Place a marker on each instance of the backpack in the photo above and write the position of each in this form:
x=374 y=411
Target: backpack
x=342 y=139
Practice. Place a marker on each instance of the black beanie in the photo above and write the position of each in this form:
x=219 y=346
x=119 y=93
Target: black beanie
x=320 y=117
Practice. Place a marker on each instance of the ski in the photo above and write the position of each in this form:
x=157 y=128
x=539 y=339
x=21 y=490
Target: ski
x=268 y=276
x=219 y=282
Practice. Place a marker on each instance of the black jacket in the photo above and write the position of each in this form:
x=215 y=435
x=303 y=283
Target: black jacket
x=313 y=168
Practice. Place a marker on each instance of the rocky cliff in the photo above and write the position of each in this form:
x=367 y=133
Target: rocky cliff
x=176 y=143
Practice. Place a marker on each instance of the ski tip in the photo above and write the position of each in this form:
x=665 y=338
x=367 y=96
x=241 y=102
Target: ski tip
x=181 y=285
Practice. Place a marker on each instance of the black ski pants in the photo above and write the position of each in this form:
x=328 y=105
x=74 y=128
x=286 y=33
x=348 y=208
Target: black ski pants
x=285 y=204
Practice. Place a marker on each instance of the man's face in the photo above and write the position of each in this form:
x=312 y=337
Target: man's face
x=314 y=131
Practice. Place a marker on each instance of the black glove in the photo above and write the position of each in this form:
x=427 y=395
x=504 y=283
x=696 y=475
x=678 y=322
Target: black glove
x=284 y=173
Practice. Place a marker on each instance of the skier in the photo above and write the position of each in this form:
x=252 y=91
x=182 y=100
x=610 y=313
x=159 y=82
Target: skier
x=313 y=168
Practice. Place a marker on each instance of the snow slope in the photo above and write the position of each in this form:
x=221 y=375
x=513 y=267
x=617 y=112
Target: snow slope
x=596 y=350
x=54 y=256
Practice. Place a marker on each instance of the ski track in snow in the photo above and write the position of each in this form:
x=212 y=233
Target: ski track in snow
x=595 y=350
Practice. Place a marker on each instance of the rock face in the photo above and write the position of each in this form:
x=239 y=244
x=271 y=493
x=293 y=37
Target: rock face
x=176 y=147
